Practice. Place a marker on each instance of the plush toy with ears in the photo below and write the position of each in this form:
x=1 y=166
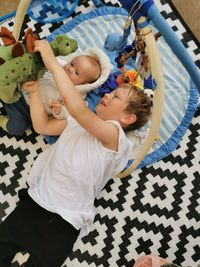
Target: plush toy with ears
x=19 y=63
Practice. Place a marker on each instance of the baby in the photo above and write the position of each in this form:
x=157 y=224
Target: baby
x=87 y=70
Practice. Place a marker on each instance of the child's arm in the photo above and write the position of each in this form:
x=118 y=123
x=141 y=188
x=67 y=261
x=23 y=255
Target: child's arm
x=41 y=123
x=107 y=133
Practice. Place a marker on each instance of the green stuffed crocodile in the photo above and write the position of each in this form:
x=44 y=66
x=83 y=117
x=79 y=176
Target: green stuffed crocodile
x=18 y=62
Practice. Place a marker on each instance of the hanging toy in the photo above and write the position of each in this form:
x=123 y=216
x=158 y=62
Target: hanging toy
x=130 y=76
x=115 y=42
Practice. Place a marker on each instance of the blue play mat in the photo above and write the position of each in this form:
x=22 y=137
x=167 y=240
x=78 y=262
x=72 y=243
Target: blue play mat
x=181 y=96
x=51 y=11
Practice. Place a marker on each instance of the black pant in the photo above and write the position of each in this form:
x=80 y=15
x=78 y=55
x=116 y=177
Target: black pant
x=44 y=235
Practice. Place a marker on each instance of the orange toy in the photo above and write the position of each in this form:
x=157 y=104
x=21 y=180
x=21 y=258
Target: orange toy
x=130 y=76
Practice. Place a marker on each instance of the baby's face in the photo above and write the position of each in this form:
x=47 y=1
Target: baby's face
x=81 y=70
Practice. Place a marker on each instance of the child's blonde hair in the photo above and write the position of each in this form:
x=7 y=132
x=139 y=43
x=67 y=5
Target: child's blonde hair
x=140 y=105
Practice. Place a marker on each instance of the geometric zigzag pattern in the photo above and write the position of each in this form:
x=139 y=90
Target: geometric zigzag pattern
x=155 y=210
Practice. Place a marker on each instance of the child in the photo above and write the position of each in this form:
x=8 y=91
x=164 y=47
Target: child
x=86 y=70
x=66 y=178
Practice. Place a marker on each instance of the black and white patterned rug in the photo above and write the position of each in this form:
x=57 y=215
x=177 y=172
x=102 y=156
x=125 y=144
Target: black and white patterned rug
x=155 y=210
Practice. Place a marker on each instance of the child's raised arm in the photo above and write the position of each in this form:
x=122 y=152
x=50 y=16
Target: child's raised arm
x=105 y=132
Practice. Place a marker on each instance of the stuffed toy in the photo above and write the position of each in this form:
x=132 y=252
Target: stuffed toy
x=19 y=63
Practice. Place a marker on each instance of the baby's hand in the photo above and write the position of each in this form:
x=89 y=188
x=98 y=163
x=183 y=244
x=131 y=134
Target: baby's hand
x=57 y=108
x=30 y=86
x=46 y=52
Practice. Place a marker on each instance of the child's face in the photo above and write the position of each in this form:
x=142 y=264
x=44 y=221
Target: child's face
x=112 y=106
x=81 y=71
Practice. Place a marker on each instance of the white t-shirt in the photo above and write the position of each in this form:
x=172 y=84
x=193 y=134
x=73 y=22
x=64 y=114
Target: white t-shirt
x=67 y=177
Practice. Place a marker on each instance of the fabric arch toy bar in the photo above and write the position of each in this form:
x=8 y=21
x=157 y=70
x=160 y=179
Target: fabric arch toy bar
x=157 y=112
x=19 y=18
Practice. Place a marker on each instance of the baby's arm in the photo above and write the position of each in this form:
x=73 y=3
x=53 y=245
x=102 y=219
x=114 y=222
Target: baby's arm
x=105 y=132
x=41 y=123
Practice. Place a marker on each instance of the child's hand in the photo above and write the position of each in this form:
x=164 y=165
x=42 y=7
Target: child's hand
x=30 y=86
x=57 y=108
x=46 y=52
